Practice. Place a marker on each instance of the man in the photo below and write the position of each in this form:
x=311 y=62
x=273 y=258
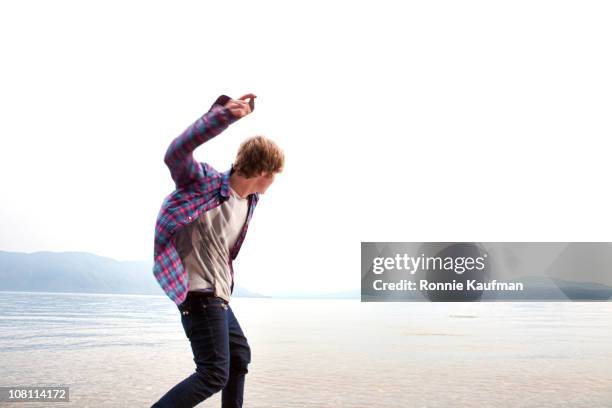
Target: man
x=199 y=230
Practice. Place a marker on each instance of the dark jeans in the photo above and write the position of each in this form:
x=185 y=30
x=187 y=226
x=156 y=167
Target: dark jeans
x=220 y=351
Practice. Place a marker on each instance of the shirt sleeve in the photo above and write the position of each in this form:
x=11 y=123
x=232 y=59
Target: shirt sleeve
x=179 y=155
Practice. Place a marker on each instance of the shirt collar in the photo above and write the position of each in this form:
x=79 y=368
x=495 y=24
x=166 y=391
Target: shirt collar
x=225 y=185
x=225 y=179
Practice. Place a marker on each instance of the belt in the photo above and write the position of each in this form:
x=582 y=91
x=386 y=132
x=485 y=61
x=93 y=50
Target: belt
x=201 y=298
x=199 y=294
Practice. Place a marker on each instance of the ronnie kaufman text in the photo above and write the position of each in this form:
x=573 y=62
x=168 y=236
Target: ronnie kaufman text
x=423 y=284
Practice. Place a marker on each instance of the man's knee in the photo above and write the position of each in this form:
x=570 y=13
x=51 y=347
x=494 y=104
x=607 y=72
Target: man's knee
x=240 y=361
x=215 y=376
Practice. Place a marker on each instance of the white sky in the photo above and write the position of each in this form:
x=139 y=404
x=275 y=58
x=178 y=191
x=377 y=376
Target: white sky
x=401 y=121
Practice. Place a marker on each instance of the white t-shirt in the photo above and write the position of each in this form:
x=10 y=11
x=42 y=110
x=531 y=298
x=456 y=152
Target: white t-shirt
x=204 y=245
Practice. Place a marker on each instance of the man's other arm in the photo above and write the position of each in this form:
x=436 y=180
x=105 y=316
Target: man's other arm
x=179 y=155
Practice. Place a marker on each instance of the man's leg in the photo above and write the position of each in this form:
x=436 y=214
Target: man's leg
x=240 y=357
x=206 y=326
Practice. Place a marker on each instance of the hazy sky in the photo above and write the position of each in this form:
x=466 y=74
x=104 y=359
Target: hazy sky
x=400 y=121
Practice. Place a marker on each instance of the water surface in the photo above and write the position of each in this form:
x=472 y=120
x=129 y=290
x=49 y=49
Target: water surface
x=128 y=350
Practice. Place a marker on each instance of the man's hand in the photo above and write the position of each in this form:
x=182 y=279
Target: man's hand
x=240 y=107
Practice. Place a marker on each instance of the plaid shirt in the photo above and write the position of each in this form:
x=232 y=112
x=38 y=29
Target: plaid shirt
x=199 y=188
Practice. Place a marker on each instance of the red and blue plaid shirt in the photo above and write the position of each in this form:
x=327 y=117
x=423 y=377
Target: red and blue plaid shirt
x=199 y=188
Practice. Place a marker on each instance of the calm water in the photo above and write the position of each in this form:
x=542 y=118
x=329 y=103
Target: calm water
x=127 y=351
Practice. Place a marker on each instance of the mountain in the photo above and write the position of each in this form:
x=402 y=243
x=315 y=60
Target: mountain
x=547 y=288
x=46 y=271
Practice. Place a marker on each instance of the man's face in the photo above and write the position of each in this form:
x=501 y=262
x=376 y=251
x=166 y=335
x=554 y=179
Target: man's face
x=264 y=181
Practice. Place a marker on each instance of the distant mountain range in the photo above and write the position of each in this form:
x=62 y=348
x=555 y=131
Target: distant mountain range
x=81 y=272
x=84 y=272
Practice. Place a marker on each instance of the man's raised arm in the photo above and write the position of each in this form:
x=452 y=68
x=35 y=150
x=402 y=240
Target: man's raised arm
x=179 y=156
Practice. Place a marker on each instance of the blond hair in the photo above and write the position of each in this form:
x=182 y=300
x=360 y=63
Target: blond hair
x=258 y=154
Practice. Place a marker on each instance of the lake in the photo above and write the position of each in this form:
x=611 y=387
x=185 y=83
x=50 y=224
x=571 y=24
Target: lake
x=128 y=350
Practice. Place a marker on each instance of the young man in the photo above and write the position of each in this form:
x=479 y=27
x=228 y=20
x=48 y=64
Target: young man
x=199 y=230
